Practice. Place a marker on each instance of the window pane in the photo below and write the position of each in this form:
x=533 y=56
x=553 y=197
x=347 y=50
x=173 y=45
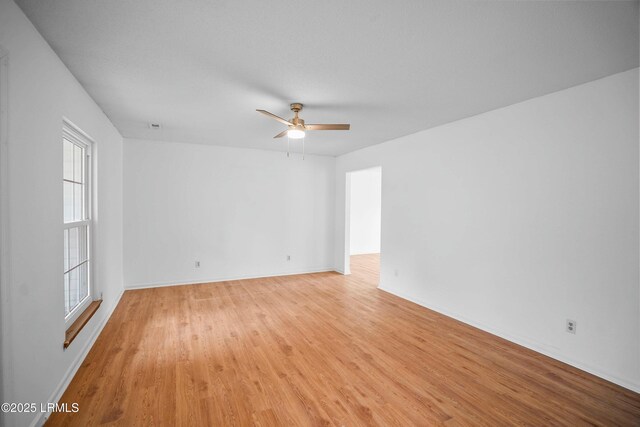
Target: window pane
x=68 y=201
x=74 y=248
x=76 y=287
x=66 y=249
x=78 y=198
x=78 y=163
x=83 y=242
x=68 y=160
x=66 y=294
x=83 y=289
x=73 y=288
x=76 y=280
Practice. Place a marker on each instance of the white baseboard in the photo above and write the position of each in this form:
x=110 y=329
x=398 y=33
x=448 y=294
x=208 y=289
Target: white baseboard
x=224 y=279
x=68 y=376
x=523 y=341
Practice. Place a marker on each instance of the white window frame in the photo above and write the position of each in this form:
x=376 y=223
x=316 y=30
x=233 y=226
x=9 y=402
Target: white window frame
x=76 y=136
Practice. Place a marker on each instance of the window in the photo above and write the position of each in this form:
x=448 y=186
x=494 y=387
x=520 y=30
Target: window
x=76 y=181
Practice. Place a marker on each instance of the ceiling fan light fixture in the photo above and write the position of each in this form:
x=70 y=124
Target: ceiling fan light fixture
x=295 y=133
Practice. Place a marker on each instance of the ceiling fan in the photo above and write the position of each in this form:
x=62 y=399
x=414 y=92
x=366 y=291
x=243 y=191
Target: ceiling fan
x=297 y=128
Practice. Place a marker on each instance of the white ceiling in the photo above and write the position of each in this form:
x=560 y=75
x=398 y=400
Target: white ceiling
x=202 y=67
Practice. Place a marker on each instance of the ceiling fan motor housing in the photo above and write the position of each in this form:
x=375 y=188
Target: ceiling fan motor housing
x=297 y=122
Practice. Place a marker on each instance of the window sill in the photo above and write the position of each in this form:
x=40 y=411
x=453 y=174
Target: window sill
x=79 y=323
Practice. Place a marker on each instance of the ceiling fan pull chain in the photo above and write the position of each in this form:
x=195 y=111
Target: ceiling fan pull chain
x=303 y=147
x=287 y=145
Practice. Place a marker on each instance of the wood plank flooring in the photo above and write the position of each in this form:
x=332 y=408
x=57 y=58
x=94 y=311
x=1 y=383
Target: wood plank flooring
x=320 y=349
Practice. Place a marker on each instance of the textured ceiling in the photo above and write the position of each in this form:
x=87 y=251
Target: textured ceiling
x=202 y=67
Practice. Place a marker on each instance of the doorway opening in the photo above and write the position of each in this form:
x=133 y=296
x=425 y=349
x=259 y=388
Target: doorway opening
x=363 y=223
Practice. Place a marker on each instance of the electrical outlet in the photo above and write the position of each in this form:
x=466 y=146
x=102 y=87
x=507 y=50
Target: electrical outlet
x=571 y=326
x=288 y=257
x=197 y=264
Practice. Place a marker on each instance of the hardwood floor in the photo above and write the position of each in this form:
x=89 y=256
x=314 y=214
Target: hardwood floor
x=320 y=349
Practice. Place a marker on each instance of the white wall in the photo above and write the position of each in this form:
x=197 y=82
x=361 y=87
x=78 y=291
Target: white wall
x=239 y=212
x=520 y=218
x=41 y=91
x=364 y=217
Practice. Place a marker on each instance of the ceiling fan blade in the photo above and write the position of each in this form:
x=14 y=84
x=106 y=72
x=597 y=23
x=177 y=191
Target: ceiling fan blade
x=328 y=127
x=281 y=134
x=273 y=116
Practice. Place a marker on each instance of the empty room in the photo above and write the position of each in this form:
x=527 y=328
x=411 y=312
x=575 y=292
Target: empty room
x=340 y=213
